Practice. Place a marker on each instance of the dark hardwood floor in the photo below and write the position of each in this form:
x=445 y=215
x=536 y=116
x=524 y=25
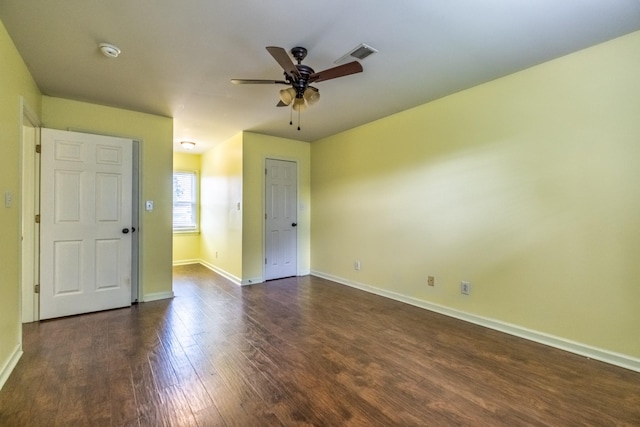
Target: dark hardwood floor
x=299 y=352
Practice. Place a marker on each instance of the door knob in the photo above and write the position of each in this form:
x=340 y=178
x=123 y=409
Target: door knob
x=125 y=230
x=294 y=224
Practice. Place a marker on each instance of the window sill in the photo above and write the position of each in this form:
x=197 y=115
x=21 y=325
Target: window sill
x=186 y=232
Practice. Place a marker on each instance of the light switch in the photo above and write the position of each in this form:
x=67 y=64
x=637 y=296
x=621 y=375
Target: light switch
x=149 y=205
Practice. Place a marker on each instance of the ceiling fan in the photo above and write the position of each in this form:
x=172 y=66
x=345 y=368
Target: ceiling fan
x=300 y=77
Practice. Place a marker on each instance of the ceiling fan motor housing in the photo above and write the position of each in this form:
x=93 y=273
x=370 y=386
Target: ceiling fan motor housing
x=303 y=81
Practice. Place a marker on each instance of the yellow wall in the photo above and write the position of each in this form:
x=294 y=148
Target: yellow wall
x=15 y=82
x=156 y=136
x=232 y=204
x=220 y=218
x=527 y=186
x=186 y=246
x=257 y=148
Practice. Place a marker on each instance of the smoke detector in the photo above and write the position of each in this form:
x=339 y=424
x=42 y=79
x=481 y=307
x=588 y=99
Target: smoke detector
x=109 y=50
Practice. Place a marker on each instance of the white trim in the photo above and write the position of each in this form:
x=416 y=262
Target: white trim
x=186 y=262
x=221 y=272
x=613 y=358
x=189 y=229
x=26 y=110
x=157 y=296
x=252 y=281
x=29 y=207
x=10 y=365
x=266 y=157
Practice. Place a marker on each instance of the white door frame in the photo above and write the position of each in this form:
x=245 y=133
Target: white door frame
x=29 y=205
x=135 y=221
x=264 y=210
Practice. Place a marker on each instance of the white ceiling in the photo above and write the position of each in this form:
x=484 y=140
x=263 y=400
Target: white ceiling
x=178 y=56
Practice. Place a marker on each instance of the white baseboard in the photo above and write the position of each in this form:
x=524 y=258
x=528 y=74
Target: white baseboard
x=10 y=365
x=233 y=278
x=221 y=272
x=157 y=296
x=256 y=280
x=186 y=262
x=613 y=358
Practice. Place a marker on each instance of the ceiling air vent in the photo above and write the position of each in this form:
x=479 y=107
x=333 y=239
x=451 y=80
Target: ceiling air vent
x=359 y=52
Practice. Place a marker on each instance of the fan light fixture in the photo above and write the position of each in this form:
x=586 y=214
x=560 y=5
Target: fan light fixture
x=311 y=95
x=299 y=76
x=188 y=145
x=287 y=95
x=299 y=105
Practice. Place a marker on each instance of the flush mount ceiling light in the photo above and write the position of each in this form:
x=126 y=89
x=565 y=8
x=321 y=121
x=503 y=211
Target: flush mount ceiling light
x=188 y=145
x=109 y=50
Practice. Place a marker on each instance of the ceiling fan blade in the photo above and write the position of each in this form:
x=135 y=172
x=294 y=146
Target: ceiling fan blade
x=281 y=104
x=339 y=71
x=257 y=81
x=282 y=57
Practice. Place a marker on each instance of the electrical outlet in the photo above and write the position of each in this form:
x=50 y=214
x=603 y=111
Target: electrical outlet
x=465 y=288
x=8 y=199
x=431 y=281
x=356 y=265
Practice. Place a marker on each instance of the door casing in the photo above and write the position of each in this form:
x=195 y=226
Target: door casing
x=29 y=206
x=265 y=208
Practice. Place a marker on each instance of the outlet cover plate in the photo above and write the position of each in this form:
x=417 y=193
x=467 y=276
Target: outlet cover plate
x=465 y=288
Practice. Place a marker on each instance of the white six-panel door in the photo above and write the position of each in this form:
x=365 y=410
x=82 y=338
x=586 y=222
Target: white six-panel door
x=281 y=218
x=86 y=205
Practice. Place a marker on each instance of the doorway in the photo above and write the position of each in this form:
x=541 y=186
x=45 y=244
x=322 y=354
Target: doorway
x=281 y=208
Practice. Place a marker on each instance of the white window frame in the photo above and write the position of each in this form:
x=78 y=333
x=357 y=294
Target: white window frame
x=195 y=203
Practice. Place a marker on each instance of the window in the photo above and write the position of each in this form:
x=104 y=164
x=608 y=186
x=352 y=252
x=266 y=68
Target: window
x=185 y=201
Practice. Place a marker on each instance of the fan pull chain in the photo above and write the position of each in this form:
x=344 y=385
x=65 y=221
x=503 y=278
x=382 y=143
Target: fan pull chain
x=291 y=115
x=298 y=119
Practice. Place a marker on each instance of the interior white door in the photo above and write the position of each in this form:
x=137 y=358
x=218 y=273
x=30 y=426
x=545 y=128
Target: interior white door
x=281 y=209
x=85 y=223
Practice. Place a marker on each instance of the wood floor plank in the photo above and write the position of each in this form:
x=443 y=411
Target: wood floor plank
x=299 y=352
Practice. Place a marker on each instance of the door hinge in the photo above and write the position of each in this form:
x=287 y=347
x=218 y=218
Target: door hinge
x=38 y=219
x=38 y=148
x=265 y=171
x=36 y=289
x=265 y=261
x=265 y=215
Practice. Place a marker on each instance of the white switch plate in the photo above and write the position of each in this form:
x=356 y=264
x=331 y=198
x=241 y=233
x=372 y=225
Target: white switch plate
x=465 y=288
x=149 y=205
x=8 y=199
